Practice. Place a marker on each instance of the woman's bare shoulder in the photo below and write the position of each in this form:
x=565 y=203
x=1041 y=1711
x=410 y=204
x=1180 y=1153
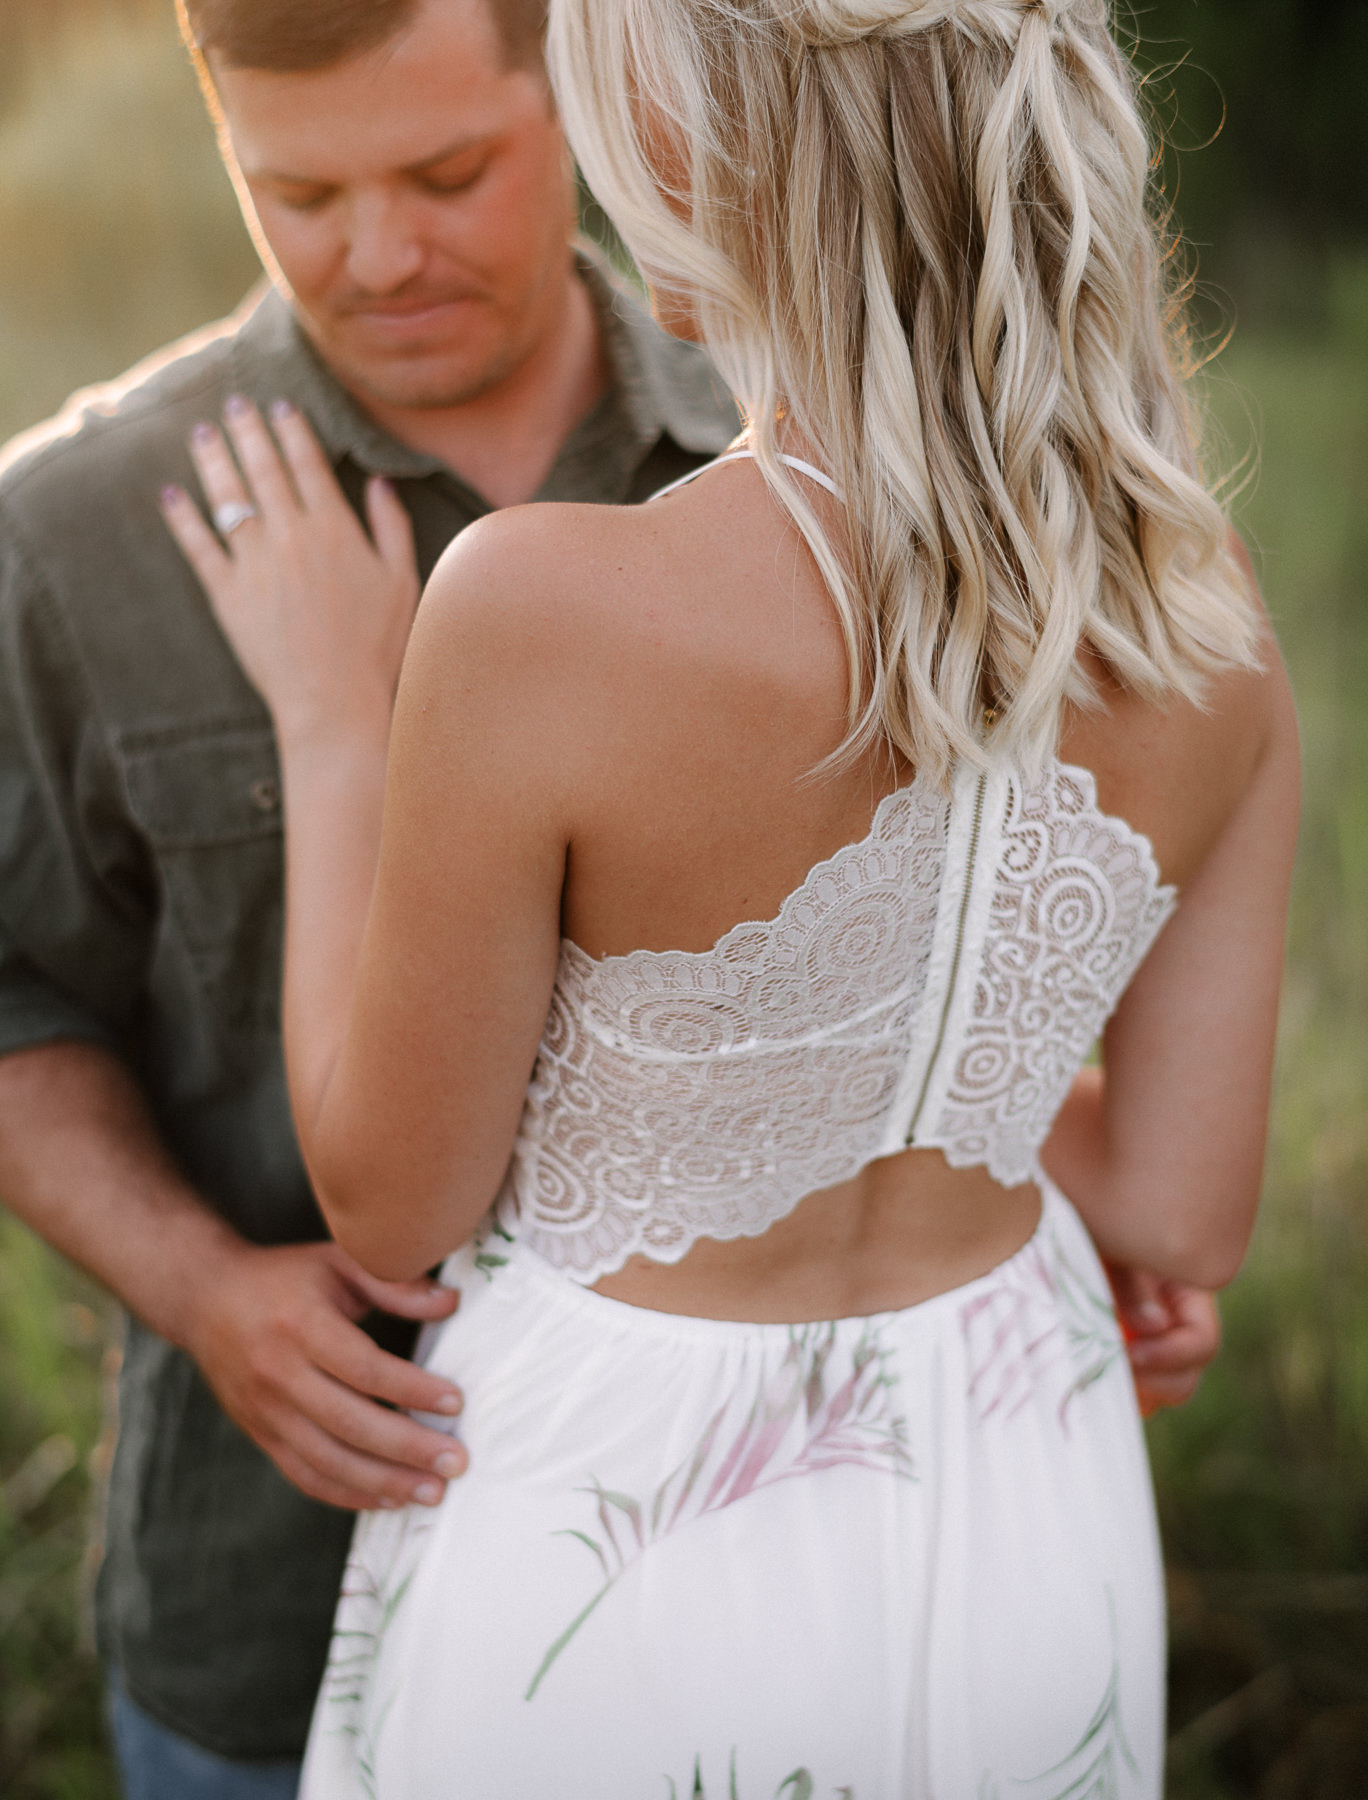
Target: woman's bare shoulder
x=549 y=590
x=532 y=649
x=1178 y=772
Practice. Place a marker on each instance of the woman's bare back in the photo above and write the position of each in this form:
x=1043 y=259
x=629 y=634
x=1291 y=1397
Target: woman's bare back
x=720 y=684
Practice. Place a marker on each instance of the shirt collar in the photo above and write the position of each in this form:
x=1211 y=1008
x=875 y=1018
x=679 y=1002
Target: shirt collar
x=661 y=386
x=666 y=387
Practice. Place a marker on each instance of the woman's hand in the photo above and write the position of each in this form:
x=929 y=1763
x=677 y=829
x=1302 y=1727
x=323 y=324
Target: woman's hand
x=318 y=612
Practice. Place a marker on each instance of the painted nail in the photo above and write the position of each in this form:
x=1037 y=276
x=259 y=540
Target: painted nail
x=236 y=406
x=450 y=1404
x=204 y=432
x=428 y=1493
x=171 y=494
x=448 y=1465
x=281 y=410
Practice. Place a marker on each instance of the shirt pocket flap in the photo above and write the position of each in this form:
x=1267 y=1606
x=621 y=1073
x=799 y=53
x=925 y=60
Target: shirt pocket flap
x=216 y=785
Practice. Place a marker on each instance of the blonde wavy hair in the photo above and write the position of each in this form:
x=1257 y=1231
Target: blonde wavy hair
x=914 y=236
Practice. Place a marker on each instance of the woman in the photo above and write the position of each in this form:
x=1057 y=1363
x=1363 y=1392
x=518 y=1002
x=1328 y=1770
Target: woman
x=803 y=1455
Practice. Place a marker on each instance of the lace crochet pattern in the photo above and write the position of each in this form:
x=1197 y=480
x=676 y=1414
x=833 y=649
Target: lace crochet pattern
x=1072 y=908
x=926 y=985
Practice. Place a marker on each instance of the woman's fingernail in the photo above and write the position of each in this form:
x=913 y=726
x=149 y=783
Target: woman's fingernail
x=281 y=409
x=171 y=494
x=236 y=406
x=204 y=432
x=448 y=1465
x=450 y=1404
x=428 y=1493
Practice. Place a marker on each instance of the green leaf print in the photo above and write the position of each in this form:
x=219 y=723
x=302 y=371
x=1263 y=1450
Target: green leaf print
x=1044 y=1328
x=384 y=1559
x=798 y=1786
x=487 y=1260
x=1093 y=1769
x=798 y=1420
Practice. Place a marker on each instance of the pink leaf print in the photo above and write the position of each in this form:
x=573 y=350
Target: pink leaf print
x=1042 y=1326
x=788 y=1426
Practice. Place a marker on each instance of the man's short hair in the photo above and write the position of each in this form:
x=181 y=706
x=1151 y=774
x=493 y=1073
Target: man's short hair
x=297 y=35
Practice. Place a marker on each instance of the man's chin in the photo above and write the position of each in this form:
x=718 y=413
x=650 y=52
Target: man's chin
x=423 y=379
x=415 y=388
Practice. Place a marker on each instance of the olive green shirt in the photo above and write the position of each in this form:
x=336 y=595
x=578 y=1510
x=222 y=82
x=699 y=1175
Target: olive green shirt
x=141 y=909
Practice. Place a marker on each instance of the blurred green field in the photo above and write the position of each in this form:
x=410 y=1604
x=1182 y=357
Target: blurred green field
x=117 y=232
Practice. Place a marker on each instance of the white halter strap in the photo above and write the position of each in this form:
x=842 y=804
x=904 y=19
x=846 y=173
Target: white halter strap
x=794 y=462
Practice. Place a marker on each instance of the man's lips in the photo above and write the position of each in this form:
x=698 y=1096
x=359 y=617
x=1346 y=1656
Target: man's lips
x=406 y=317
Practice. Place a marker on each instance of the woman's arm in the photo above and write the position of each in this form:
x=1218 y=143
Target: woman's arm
x=413 y=1004
x=409 y=1126
x=1162 y=1149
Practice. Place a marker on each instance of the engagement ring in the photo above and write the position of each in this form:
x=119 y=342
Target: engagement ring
x=228 y=517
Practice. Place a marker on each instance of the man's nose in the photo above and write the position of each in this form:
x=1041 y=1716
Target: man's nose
x=384 y=248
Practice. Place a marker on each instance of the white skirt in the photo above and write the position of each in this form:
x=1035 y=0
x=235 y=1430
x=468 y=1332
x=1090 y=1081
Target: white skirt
x=904 y=1557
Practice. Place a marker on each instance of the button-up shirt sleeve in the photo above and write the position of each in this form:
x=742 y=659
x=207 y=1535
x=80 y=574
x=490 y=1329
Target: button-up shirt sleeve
x=75 y=900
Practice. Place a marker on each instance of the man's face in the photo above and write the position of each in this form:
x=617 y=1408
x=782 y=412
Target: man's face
x=416 y=200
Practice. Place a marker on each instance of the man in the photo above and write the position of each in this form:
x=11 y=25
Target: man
x=403 y=172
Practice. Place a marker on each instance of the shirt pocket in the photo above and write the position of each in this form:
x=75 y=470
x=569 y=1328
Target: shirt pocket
x=208 y=801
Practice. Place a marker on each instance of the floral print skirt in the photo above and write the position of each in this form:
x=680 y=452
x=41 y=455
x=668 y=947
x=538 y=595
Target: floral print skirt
x=904 y=1557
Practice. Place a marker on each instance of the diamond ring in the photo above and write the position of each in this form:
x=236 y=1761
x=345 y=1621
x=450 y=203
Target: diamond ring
x=231 y=514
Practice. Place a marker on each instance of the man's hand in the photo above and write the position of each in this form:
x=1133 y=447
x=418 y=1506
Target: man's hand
x=278 y=1339
x=275 y=1331
x=1172 y=1332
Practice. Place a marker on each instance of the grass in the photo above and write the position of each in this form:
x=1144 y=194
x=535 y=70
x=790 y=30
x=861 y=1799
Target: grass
x=117 y=231
x=1263 y=1479
x=118 y=227
x=53 y=1333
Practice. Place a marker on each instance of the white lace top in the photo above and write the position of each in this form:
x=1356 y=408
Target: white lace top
x=940 y=983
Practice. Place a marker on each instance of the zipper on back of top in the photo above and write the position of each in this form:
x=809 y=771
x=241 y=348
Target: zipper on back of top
x=952 y=982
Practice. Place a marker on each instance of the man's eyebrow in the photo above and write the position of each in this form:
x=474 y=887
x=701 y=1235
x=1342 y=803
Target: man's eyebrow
x=417 y=168
x=453 y=149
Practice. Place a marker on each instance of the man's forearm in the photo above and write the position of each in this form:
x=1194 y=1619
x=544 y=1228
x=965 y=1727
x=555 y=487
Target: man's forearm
x=82 y=1164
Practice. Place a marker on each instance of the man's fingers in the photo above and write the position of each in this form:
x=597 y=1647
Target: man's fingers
x=1177 y=1350
x=406 y=1299
x=260 y=458
x=1168 y=1365
x=310 y=469
x=389 y=1437
x=363 y=1366
x=201 y=549
x=1154 y=1394
x=372 y=1476
x=318 y=1487
x=1140 y=1301
x=315 y=1460
x=1192 y=1338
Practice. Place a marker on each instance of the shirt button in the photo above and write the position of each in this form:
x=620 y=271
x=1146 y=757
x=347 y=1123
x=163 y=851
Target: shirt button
x=265 y=794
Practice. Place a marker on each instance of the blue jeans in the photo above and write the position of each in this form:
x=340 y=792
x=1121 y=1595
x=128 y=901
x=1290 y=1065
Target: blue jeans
x=158 y=1764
